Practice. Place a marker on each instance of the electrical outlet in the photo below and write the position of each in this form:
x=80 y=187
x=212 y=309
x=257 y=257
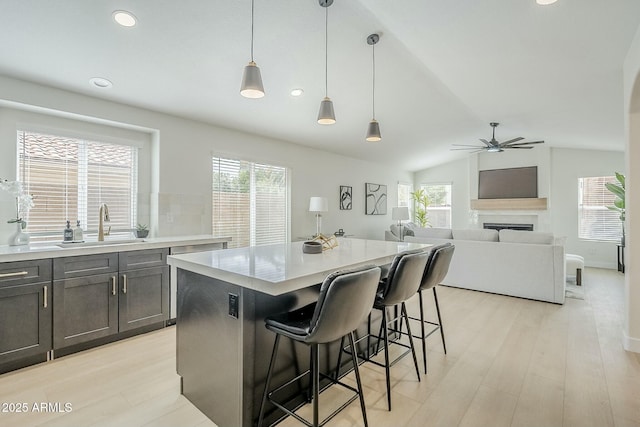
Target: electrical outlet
x=233 y=305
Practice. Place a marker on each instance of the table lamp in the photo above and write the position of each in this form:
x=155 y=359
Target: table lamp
x=399 y=214
x=317 y=205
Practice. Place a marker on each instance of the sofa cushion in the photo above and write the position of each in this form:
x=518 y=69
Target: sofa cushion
x=436 y=233
x=476 y=234
x=519 y=236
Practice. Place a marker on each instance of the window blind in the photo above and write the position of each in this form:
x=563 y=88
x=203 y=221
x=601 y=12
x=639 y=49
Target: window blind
x=595 y=220
x=439 y=209
x=70 y=178
x=249 y=202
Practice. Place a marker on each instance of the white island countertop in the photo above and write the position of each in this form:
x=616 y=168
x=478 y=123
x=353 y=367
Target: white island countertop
x=280 y=268
x=42 y=250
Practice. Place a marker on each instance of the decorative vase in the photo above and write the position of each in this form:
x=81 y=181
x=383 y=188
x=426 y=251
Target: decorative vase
x=19 y=238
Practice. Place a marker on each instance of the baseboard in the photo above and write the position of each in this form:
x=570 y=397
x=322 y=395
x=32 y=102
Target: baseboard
x=630 y=343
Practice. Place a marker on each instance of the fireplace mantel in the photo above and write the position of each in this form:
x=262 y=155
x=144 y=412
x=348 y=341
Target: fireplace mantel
x=528 y=204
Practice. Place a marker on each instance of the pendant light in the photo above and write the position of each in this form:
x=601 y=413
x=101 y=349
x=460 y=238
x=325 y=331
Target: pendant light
x=373 y=130
x=251 y=79
x=326 y=116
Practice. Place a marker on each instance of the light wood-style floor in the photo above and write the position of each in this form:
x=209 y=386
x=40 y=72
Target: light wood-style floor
x=510 y=362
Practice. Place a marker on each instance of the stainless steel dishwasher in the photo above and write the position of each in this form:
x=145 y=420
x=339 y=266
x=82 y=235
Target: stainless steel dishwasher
x=173 y=290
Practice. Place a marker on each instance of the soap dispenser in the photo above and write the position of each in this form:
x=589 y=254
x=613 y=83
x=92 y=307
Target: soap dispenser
x=77 y=233
x=68 y=233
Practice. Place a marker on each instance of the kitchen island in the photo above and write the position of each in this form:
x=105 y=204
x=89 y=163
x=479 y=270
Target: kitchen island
x=223 y=348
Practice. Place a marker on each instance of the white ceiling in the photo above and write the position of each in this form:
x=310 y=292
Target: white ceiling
x=444 y=69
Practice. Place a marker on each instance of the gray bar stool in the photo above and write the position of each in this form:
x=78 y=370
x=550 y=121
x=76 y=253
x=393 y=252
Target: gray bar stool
x=435 y=271
x=345 y=301
x=402 y=282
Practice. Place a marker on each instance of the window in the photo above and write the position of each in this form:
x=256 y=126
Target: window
x=439 y=209
x=595 y=220
x=250 y=202
x=70 y=178
x=404 y=194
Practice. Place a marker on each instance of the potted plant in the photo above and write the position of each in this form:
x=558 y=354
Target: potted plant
x=142 y=231
x=619 y=204
x=420 y=207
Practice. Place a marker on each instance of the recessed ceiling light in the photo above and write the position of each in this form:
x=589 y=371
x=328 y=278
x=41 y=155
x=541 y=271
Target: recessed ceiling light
x=100 y=83
x=297 y=92
x=546 y=2
x=124 y=18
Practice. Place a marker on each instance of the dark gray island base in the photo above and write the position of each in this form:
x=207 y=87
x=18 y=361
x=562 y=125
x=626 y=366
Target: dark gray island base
x=223 y=360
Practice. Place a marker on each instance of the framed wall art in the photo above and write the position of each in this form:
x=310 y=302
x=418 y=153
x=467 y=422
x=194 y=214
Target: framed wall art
x=345 y=197
x=375 y=199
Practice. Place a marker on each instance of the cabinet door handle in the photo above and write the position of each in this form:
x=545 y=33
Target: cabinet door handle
x=124 y=283
x=45 y=297
x=16 y=274
x=113 y=285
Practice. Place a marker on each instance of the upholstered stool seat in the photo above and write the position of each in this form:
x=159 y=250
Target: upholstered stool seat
x=574 y=263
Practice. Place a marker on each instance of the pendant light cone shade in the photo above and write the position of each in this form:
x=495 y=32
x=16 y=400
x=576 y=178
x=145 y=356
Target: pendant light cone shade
x=326 y=116
x=373 y=131
x=252 y=82
x=251 y=79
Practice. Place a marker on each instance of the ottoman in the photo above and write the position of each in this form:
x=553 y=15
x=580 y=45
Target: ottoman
x=575 y=263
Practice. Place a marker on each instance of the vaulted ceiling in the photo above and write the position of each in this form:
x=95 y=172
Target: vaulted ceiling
x=444 y=70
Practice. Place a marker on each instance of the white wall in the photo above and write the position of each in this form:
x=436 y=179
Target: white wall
x=567 y=166
x=631 y=327
x=178 y=201
x=558 y=173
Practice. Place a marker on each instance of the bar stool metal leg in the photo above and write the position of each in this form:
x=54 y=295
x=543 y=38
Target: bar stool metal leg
x=435 y=297
x=268 y=380
x=356 y=370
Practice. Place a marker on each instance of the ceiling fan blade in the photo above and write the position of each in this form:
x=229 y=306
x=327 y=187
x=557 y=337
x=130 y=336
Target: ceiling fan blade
x=522 y=148
x=487 y=143
x=469 y=148
x=526 y=143
x=511 y=141
x=467 y=145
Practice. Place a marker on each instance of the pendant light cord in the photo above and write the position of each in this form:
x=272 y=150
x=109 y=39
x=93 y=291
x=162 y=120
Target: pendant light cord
x=252 y=7
x=326 y=51
x=373 y=91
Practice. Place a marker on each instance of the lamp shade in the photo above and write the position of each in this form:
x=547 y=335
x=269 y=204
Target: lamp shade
x=373 y=131
x=252 y=82
x=318 y=204
x=326 y=116
x=400 y=213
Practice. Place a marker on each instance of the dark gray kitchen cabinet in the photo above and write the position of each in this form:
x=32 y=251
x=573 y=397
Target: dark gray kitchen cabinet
x=96 y=296
x=25 y=310
x=144 y=297
x=85 y=298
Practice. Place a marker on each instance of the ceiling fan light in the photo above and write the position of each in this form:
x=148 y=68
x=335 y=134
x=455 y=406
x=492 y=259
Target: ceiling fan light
x=373 y=131
x=494 y=149
x=252 y=82
x=326 y=116
x=545 y=2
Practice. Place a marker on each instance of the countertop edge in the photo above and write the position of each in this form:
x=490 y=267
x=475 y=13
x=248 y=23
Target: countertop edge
x=38 y=251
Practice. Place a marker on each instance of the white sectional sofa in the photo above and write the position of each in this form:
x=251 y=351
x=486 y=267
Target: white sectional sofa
x=525 y=264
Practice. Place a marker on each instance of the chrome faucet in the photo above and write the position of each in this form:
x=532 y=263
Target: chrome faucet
x=103 y=212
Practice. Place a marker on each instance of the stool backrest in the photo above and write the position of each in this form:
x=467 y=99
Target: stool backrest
x=404 y=277
x=345 y=300
x=437 y=266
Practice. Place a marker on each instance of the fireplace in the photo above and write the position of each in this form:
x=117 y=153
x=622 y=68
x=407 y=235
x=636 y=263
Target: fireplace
x=499 y=226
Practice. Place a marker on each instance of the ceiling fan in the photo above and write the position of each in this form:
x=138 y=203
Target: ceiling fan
x=494 y=146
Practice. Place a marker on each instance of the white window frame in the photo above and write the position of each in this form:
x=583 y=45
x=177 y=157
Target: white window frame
x=82 y=214
x=431 y=209
x=595 y=221
x=253 y=206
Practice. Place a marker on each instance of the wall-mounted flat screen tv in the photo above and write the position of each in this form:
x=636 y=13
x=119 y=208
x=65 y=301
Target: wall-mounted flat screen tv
x=512 y=183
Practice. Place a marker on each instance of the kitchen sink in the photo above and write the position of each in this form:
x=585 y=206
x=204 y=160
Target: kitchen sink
x=96 y=243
